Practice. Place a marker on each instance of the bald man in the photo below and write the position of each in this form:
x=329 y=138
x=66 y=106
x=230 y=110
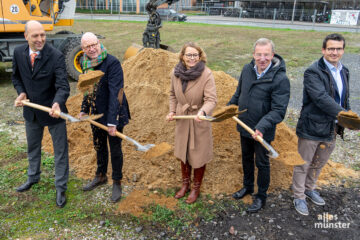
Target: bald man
x=108 y=99
x=39 y=75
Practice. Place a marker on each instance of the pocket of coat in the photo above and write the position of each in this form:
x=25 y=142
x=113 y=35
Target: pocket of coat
x=319 y=128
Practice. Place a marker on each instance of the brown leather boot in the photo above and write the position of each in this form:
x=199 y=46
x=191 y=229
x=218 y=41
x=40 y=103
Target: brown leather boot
x=97 y=181
x=198 y=176
x=186 y=173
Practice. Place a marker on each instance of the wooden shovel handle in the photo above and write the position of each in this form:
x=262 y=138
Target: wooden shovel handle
x=189 y=117
x=99 y=125
x=247 y=128
x=40 y=107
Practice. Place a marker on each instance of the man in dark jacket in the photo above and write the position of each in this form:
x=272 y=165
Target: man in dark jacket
x=108 y=99
x=39 y=75
x=326 y=94
x=263 y=90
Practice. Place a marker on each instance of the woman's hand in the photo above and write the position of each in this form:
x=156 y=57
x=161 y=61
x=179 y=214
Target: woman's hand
x=170 y=116
x=198 y=115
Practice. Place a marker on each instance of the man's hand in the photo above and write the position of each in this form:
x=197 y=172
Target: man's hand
x=55 y=110
x=200 y=113
x=257 y=133
x=112 y=130
x=170 y=116
x=18 y=100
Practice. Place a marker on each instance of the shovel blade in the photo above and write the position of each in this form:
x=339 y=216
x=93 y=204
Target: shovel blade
x=144 y=148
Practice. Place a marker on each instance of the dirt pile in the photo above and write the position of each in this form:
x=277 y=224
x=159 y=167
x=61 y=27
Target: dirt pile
x=147 y=84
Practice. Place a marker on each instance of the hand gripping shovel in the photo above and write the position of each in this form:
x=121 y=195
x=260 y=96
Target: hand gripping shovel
x=47 y=109
x=272 y=152
x=137 y=145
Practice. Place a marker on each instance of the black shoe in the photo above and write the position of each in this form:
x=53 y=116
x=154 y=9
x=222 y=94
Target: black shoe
x=60 y=199
x=256 y=205
x=97 y=181
x=26 y=186
x=242 y=193
x=116 y=191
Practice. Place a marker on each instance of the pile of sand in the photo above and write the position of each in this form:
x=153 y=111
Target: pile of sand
x=147 y=84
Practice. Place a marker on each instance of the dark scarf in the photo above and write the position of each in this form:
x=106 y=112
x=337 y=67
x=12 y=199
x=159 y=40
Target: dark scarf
x=187 y=75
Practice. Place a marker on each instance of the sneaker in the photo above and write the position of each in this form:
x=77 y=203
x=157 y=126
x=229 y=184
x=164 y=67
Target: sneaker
x=315 y=197
x=301 y=206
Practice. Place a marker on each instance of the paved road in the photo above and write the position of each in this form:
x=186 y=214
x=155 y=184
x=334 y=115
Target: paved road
x=234 y=21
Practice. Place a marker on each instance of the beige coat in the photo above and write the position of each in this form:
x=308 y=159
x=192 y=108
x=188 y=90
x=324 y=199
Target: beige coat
x=193 y=140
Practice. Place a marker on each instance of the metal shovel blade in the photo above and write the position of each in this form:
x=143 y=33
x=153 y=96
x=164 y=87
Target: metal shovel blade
x=69 y=117
x=272 y=153
x=138 y=146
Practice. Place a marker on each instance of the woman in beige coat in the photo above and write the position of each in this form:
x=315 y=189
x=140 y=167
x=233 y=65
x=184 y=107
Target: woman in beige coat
x=192 y=92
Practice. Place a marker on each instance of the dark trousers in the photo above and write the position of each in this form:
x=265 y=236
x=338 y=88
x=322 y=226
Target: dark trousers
x=100 y=138
x=253 y=151
x=34 y=135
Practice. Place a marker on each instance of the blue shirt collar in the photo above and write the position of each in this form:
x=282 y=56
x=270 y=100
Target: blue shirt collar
x=332 y=67
x=259 y=75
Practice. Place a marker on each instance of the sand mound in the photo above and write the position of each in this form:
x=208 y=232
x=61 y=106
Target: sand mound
x=147 y=88
x=137 y=200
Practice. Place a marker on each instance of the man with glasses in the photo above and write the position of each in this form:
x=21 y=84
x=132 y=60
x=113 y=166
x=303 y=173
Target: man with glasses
x=325 y=95
x=108 y=98
x=263 y=90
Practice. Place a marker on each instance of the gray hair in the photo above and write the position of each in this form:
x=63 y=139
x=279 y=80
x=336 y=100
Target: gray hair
x=264 y=41
x=87 y=36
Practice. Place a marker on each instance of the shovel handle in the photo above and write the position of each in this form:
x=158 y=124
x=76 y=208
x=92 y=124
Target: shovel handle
x=252 y=132
x=99 y=125
x=41 y=107
x=190 y=117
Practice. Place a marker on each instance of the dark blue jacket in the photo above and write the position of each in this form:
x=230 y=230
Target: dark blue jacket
x=319 y=110
x=45 y=84
x=265 y=99
x=106 y=100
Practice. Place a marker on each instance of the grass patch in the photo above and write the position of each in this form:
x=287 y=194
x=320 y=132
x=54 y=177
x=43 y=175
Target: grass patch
x=186 y=215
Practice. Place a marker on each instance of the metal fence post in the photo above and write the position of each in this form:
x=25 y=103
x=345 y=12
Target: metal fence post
x=314 y=19
x=274 y=17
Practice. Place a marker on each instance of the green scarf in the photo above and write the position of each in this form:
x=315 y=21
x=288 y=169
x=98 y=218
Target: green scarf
x=89 y=64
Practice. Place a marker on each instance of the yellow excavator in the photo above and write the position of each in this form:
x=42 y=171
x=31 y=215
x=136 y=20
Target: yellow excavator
x=15 y=13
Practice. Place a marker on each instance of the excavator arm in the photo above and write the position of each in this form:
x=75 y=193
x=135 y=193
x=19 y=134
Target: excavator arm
x=151 y=35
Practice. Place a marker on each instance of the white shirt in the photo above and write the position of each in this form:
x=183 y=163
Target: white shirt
x=335 y=71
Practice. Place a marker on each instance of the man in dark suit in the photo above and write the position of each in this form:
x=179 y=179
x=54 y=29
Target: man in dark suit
x=108 y=99
x=39 y=75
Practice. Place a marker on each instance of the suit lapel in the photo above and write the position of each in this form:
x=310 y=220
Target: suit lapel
x=27 y=59
x=41 y=60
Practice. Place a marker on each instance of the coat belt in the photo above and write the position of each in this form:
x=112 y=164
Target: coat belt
x=186 y=107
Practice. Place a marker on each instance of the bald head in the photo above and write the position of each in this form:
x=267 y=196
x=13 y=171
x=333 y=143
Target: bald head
x=35 y=35
x=32 y=24
x=88 y=36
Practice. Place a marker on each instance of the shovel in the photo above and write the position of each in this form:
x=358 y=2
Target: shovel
x=137 y=145
x=47 y=109
x=217 y=118
x=272 y=152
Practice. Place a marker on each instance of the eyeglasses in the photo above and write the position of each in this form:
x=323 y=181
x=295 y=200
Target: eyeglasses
x=91 y=46
x=266 y=55
x=191 y=55
x=333 y=49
